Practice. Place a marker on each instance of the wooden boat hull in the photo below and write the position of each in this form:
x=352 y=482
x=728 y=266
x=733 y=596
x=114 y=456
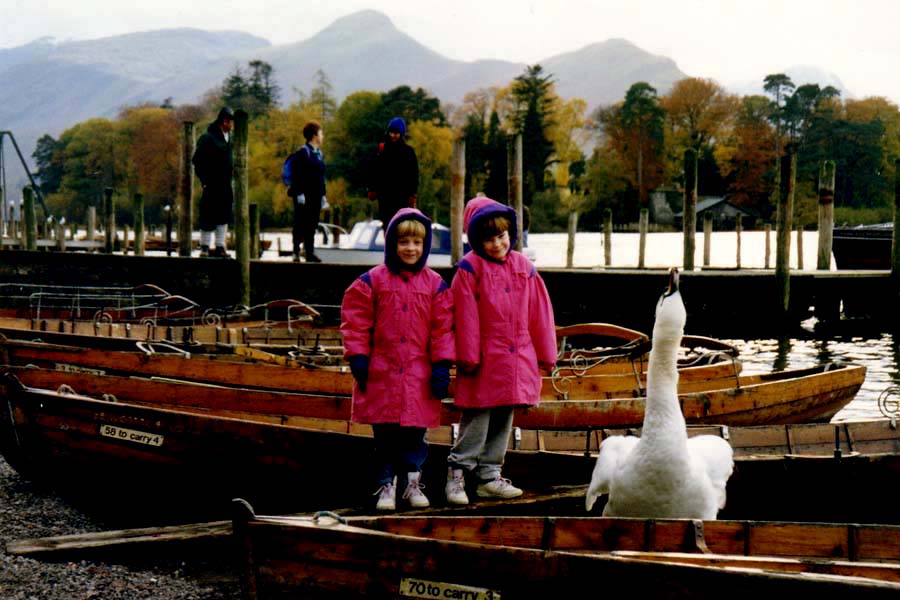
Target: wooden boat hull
x=252 y=441
x=534 y=557
x=787 y=397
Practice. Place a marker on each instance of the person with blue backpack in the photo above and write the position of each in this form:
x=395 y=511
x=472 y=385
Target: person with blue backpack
x=304 y=174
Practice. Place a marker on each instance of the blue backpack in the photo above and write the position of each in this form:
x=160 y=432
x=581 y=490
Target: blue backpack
x=287 y=169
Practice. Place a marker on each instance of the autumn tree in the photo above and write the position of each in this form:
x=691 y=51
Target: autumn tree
x=353 y=138
x=433 y=145
x=322 y=100
x=744 y=155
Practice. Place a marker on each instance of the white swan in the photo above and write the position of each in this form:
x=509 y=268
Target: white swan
x=663 y=474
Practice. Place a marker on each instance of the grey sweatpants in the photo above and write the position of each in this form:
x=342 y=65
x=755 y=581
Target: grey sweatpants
x=483 y=439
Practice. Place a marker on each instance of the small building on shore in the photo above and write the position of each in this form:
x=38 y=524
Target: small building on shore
x=724 y=214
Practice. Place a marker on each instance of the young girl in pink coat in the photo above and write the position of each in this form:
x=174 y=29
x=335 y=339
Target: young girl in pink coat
x=505 y=336
x=397 y=325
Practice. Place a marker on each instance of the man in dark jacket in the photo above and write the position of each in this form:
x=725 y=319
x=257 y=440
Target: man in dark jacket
x=395 y=174
x=213 y=166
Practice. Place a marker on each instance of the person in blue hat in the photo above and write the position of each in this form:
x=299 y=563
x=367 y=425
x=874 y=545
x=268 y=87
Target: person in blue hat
x=394 y=174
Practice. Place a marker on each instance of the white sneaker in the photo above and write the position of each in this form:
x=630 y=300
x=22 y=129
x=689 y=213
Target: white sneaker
x=387 y=496
x=498 y=488
x=456 y=487
x=414 y=493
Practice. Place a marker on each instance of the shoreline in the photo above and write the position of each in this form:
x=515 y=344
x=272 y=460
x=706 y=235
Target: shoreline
x=30 y=510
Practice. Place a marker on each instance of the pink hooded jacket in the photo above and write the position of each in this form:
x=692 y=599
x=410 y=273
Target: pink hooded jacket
x=402 y=319
x=503 y=319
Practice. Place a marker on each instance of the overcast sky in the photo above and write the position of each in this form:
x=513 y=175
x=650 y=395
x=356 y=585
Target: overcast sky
x=727 y=40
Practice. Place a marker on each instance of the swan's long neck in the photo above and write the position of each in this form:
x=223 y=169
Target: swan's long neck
x=663 y=411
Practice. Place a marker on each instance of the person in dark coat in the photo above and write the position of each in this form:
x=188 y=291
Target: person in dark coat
x=395 y=173
x=214 y=167
x=308 y=191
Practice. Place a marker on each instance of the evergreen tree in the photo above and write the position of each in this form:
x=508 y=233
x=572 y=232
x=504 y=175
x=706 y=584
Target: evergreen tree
x=47 y=157
x=497 y=185
x=533 y=94
x=322 y=98
x=256 y=94
x=412 y=105
x=474 y=134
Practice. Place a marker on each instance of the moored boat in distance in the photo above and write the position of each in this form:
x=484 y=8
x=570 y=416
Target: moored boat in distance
x=863 y=246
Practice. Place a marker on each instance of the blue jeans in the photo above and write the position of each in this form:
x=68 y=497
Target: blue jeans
x=398 y=450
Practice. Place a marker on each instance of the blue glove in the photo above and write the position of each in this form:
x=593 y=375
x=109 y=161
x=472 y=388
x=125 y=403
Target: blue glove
x=359 y=366
x=440 y=380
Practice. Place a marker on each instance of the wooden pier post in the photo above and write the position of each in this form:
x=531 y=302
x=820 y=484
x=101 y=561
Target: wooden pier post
x=109 y=218
x=457 y=198
x=643 y=225
x=689 y=212
x=61 y=235
x=826 y=215
x=738 y=227
x=570 y=248
x=241 y=208
x=126 y=239
x=167 y=209
x=895 y=248
x=515 y=185
x=138 y=224
x=91 y=227
x=767 y=230
x=254 y=231
x=799 y=247
x=607 y=236
x=186 y=192
x=30 y=218
x=783 y=232
x=707 y=237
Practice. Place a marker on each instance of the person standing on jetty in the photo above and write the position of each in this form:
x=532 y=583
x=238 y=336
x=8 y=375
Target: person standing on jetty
x=505 y=340
x=214 y=167
x=395 y=173
x=308 y=190
x=397 y=325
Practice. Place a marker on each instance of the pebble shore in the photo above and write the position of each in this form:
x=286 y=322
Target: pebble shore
x=28 y=510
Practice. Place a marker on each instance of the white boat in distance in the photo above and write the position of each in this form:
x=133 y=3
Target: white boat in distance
x=364 y=245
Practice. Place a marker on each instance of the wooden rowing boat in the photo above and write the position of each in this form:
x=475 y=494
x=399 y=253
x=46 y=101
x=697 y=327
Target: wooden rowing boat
x=796 y=396
x=245 y=439
x=538 y=557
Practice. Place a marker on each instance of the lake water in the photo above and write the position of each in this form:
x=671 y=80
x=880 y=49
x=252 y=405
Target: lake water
x=880 y=355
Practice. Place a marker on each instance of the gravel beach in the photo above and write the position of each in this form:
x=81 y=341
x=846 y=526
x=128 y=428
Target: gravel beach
x=30 y=511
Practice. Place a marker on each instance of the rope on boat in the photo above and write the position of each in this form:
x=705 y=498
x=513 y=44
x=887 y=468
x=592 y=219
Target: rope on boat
x=889 y=403
x=328 y=514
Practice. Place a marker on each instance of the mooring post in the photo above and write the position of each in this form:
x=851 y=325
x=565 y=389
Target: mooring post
x=643 y=224
x=30 y=218
x=91 y=227
x=570 y=248
x=186 y=193
x=515 y=185
x=767 y=231
x=138 y=224
x=241 y=208
x=826 y=215
x=457 y=198
x=799 y=247
x=607 y=236
x=109 y=218
x=783 y=231
x=61 y=235
x=738 y=227
x=707 y=237
x=254 y=230
x=895 y=248
x=689 y=211
x=167 y=209
x=126 y=239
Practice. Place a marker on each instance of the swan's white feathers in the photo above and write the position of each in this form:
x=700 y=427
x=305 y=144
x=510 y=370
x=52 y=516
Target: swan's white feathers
x=663 y=474
x=612 y=451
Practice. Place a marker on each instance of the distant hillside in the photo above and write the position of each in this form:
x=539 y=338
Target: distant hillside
x=799 y=74
x=52 y=86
